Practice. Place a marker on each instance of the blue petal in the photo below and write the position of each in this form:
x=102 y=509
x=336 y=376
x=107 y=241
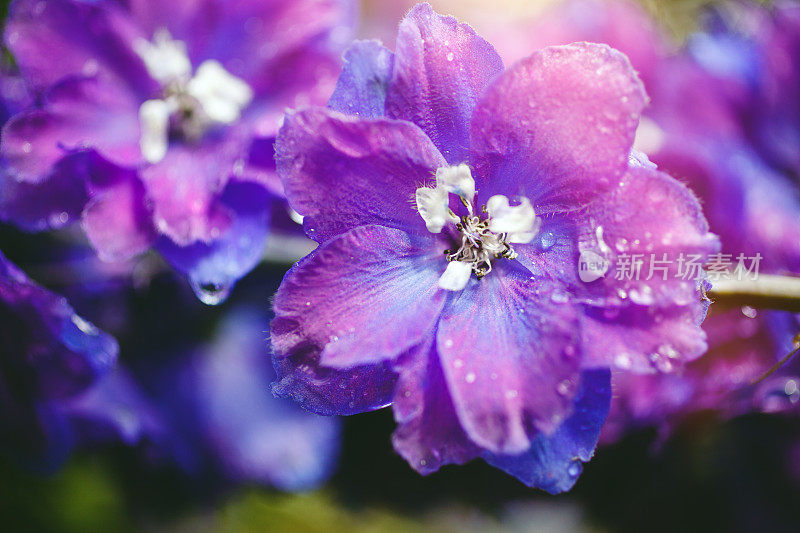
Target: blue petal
x=362 y=85
x=213 y=268
x=555 y=461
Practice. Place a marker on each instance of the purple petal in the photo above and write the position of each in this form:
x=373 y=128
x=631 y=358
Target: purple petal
x=363 y=83
x=328 y=391
x=50 y=204
x=644 y=321
x=55 y=351
x=214 y=267
x=78 y=114
x=53 y=39
x=557 y=127
x=554 y=462
x=508 y=350
x=342 y=172
x=429 y=434
x=441 y=69
x=184 y=189
x=116 y=219
x=362 y=298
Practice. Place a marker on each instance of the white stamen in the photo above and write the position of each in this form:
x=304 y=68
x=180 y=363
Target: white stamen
x=518 y=222
x=432 y=207
x=457 y=180
x=166 y=60
x=222 y=95
x=190 y=104
x=456 y=276
x=154 y=123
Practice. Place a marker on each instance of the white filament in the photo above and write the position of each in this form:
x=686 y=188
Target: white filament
x=212 y=95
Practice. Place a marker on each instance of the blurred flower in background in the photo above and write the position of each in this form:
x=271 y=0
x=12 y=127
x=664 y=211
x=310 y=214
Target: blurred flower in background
x=154 y=122
x=50 y=355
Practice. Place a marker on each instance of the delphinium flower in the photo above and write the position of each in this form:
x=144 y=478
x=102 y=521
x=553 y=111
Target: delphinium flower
x=452 y=200
x=696 y=128
x=155 y=121
x=49 y=356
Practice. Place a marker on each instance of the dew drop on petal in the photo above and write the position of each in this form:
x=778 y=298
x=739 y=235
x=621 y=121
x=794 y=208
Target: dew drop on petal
x=211 y=293
x=470 y=377
x=547 y=240
x=574 y=469
x=749 y=312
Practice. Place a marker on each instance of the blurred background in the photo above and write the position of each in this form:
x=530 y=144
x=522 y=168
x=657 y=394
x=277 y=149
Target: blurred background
x=706 y=474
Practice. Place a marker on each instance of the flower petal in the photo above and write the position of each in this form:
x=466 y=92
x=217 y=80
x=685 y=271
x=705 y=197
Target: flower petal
x=441 y=69
x=641 y=318
x=59 y=38
x=557 y=127
x=553 y=462
x=428 y=434
x=184 y=188
x=361 y=89
x=49 y=204
x=366 y=296
x=116 y=219
x=213 y=268
x=507 y=345
x=78 y=114
x=342 y=172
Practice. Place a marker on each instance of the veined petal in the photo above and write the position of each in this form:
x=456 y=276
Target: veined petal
x=341 y=172
x=554 y=462
x=557 y=127
x=361 y=298
x=441 y=69
x=509 y=353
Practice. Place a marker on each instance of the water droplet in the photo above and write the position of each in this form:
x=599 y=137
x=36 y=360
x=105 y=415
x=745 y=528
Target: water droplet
x=470 y=377
x=559 y=297
x=779 y=395
x=84 y=326
x=564 y=387
x=308 y=304
x=749 y=312
x=448 y=343
x=511 y=394
x=458 y=363
x=547 y=240
x=623 y=361
x=642 y=296
x=450 y=56
x=574 y=469
x=211 y=293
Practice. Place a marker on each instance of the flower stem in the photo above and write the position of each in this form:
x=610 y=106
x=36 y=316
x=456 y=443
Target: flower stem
x=767 y=291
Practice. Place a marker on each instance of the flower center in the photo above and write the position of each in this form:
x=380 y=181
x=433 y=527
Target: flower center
x=190 y=103
x=482 y=237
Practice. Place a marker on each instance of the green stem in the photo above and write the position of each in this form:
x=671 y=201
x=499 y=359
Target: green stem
x=767 y=291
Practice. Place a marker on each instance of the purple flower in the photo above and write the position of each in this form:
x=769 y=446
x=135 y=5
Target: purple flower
x=50 y=355
x=156 y=122
x=452 y=201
